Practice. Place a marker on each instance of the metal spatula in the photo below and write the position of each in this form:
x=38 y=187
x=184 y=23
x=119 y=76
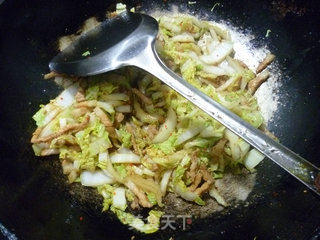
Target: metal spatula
x=129 y=40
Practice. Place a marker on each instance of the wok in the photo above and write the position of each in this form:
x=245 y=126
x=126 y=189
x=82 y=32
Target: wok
x=35 y=202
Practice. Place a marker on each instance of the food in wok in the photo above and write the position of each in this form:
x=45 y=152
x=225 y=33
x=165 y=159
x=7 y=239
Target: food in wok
x=134 y=139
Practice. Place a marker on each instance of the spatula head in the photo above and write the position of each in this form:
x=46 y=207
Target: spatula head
x=109 y=46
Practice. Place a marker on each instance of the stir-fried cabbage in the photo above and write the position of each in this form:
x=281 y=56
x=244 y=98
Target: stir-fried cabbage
x=137 y=223
x=134 y=141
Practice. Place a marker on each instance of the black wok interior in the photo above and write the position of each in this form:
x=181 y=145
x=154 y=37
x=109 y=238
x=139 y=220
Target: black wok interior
x=33 y=205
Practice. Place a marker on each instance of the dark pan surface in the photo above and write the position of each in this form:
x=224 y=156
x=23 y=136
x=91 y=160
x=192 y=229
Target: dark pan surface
x=34 y=205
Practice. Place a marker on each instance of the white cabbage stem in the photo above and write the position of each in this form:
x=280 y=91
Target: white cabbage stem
x=167 y=127
x=216 y=195
x=185 y=194
x=189 y=133
x=184 y=37
x=214 y=70
x=119 y=198
x=128 y=157
x=67 y=97
x=218 y=54
x=164 y=181
x=117 y=97
x=93 y=179
x=252 y=159
x=124 y=109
